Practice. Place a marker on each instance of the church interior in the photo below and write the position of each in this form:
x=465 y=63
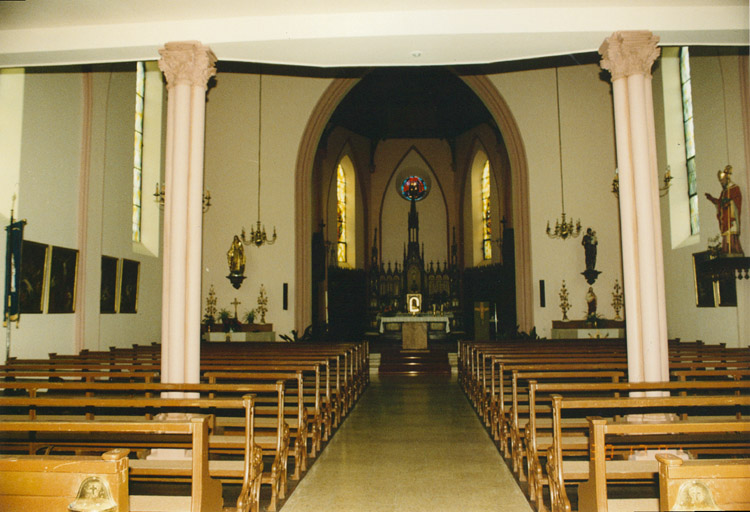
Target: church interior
x=330 y=196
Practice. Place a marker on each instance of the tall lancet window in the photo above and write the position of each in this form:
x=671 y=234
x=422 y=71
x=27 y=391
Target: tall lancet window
x=341 y=214
x=140 y=88
x=687 y=119
x=486 y=216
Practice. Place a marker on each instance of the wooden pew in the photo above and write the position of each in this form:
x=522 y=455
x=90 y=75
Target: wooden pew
x=539 y=429
x=205 y=492
x=658 y=431
x=109 y=398
x=29 y=482
x=592 y=495
x=714 y=484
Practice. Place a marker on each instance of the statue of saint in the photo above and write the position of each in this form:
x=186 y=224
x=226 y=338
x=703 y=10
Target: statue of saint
x=589 y=243
x=728 y=208
x=236 y=257
x=591 y=302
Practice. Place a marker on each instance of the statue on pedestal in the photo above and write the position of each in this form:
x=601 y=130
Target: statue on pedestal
x=590 y=243
x=728 y=208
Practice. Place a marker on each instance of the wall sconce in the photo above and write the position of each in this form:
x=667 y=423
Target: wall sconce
x=160 y=192
x=663 y=190
x=159 y=197
x=236 y=260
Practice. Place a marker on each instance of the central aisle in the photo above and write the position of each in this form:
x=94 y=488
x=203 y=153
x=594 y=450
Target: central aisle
x=410 y=444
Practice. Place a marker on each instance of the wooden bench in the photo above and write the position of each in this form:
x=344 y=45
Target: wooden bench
x=205 y=493
x=658 y=431
x=592 y=495
x=29 y=482
x=719 y=484
x=538 y=436
x=76 y=407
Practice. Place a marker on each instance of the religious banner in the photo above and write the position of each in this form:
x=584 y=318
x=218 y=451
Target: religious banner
x=13 y=270
x=481 y=321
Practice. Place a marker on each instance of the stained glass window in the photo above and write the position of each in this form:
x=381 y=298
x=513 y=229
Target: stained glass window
x=687 y=119
x=486 y=224
x=140 y=86
x=341 y=214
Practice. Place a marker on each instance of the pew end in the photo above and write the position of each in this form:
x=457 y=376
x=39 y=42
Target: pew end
x=710 y=484
x=57 y=482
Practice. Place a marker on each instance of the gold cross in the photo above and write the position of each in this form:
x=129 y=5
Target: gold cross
x=235 y=304
x=481 y=309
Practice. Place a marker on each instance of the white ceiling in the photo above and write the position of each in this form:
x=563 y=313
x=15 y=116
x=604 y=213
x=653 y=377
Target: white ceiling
x=328 y=33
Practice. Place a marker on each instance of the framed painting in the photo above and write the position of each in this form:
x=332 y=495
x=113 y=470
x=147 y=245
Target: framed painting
x=62 y=280
x=727 y=287
x=33 y=274
x=129 y=286
x=704 y=287
x=108 y=290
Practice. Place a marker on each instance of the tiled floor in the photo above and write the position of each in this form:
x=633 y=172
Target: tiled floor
x=410 y=444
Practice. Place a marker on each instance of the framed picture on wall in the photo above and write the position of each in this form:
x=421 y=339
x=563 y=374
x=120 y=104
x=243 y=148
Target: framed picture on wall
x=704 y=287
x=108 y=293
x=33 y=273
x=62 y=280
x=727 y=287
x=129 y=286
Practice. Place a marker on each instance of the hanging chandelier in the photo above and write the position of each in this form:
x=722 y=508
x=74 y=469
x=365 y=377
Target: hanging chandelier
x=258 y=235
x=563 y=228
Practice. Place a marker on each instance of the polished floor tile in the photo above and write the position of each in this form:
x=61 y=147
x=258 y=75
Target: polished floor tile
x=410 y=444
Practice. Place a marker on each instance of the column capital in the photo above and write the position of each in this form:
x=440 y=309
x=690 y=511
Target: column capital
x=631 y=52
x=187 y=62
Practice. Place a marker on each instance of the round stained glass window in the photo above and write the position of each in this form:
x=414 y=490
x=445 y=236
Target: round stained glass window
x=413 y=187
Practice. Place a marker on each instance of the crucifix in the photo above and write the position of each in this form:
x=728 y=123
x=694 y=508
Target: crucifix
x=481 y=309
x=235 y=304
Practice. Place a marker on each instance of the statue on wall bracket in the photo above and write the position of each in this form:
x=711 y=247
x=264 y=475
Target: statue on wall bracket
x=728 y=208
x=236 y=261
x=589 y=243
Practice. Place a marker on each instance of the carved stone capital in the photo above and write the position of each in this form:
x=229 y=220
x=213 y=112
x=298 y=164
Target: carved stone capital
x=187 y=62
x=629 y=53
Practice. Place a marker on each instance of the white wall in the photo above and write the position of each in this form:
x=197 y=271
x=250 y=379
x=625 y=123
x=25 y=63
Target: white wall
x=231 y=175
x=49 y=113
x=718 y=140
x=588 y=167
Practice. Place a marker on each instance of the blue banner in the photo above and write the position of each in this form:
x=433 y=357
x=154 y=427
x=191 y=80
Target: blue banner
x=13 y=271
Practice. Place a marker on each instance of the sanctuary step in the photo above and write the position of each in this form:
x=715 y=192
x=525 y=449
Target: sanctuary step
x=414 y=362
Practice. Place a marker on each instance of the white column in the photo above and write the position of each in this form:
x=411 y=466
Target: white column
x=187 y=67
x=629 y=57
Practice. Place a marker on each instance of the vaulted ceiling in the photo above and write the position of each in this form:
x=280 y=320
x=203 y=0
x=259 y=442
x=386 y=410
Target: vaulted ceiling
x=410 y=103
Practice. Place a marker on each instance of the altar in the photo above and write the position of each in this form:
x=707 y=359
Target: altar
x=414 y=328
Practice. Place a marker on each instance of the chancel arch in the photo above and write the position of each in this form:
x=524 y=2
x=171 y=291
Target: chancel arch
x=306 y=224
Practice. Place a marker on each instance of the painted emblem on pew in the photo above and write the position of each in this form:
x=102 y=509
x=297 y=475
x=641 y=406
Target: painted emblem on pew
x=695 y=495
x=93 y=496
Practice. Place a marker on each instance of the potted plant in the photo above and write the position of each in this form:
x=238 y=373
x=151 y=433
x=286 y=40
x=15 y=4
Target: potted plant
x=248 y=321
x=225 y=317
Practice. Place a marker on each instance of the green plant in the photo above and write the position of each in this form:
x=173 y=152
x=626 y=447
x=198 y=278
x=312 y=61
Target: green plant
x=249 y=316
x=594 y=319
x=224 y=315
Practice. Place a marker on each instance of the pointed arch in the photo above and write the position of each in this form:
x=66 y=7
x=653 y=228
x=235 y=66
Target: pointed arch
x=436 y=185
x=303 y=194
x=519 y=170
